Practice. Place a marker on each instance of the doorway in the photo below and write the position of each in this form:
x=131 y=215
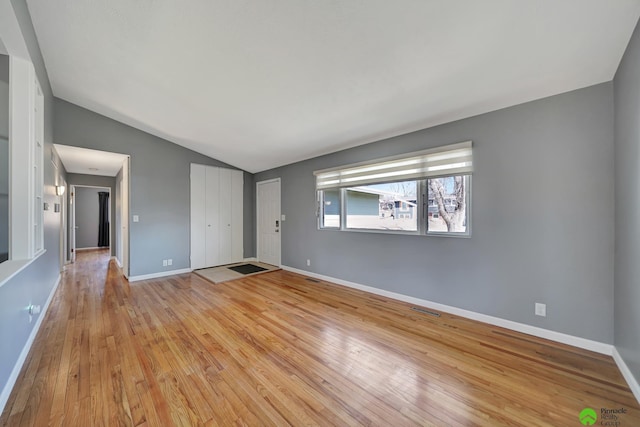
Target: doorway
x=93 y=217
x=110 y=171
x=269 y=221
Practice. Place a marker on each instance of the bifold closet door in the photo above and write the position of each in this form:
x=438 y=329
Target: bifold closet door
x=237 y=213
x=225 y=237
x=212 y=216
x=198 y=216
x=216 y=216
x=230 y=216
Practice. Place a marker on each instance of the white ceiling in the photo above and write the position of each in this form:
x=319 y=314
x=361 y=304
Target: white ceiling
x=265 y=83
x=89 y=162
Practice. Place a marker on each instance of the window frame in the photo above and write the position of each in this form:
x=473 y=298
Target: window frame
x=320 y=200
x=468 y=191
x=344 y=207
x=446 y=161
x=422 y=212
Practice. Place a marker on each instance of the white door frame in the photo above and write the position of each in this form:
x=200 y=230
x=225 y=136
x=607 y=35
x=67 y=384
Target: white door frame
x=125 y=200
x=73 y=210
x=72 y=223
x=258 y=243
x=63 y=225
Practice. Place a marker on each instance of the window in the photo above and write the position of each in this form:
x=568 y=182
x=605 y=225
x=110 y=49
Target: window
x=427 y=192
x=447 y=204
x=329 y=208
x=391 y=206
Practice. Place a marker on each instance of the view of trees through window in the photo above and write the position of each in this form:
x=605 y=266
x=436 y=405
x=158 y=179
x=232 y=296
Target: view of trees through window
x=447 y=204
x=398 y=206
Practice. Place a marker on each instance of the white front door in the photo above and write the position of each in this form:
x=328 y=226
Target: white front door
x=269 y=221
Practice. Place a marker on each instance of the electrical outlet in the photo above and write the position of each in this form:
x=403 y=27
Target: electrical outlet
x=541 y=309
x=308 y=262
x=169 y=261
x=164 y=262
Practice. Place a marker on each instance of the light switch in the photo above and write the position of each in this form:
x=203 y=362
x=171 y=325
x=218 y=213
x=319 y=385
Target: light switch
x=136 y=218
x=282 y=217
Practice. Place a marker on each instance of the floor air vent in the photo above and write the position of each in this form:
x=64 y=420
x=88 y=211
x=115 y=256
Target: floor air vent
x=313 y=280
x=422 y=310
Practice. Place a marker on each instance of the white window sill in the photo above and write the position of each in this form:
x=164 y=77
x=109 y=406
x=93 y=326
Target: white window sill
x=10 y=268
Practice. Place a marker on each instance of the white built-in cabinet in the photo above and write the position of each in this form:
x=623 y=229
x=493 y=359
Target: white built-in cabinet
x=216 y=216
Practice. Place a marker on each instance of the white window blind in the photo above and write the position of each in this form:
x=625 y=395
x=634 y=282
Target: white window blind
x=454 y=159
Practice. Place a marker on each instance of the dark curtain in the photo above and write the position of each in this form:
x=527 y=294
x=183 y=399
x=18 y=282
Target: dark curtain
x=103 y=226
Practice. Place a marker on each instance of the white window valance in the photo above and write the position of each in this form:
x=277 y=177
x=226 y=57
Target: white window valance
x=454 y=159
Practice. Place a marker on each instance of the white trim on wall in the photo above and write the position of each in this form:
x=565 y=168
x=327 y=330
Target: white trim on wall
x=10 y=268
x=626 y=373
x=11 y=381
x=560 y=337
x=160 y=274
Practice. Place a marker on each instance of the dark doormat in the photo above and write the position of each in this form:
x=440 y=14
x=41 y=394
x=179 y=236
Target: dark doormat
x=247 y=268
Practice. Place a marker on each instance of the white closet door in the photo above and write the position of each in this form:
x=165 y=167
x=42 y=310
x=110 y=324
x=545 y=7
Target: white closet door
x=237 y=215
x=224 y=208
x=198 y=218
x=216 y=216
x=212 y=216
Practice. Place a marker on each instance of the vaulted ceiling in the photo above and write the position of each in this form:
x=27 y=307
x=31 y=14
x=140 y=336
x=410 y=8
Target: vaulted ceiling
x=259 y=84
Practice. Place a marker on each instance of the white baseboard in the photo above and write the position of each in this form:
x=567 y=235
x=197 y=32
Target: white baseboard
x=584 y=343
x=118 y=263
x=626 y=373
x=160 y=274
x=11 y=381
x=251 y=259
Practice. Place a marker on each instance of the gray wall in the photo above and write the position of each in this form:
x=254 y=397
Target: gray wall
x=34 y=283
x=542 y=220
x=98 y=181
x=159 y=184
x=627 y=218
x=87 y=208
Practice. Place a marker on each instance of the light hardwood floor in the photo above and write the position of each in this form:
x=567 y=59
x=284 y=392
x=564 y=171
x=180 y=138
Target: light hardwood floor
x=279 y=349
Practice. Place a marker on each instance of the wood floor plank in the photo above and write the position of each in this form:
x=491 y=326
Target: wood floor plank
x=279 y=349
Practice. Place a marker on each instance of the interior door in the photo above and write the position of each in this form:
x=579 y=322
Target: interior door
x=269 y=221
x=212 y=188
x=237 y=215
x=198 y=216
x=225 y=237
